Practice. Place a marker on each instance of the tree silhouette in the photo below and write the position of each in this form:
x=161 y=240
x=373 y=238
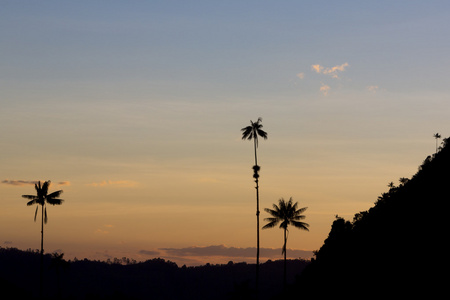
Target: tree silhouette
x=288 y=214
x=42 y=198
x=251 y=133
x=437 y=136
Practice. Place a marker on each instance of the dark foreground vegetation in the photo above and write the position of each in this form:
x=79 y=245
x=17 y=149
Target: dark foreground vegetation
x=398 y=248
x=152 y=279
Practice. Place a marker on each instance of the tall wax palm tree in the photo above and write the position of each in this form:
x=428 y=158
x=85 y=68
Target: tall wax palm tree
x=42 y=198
x=288 y=214
x=437 y=136
x=251 y=133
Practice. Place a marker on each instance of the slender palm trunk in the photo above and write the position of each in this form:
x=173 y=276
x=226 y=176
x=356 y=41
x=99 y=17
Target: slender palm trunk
x=41 y=288
x=285 y=250
x=257 y=220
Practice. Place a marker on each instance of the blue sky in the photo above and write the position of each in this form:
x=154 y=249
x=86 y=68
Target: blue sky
x=137 y=106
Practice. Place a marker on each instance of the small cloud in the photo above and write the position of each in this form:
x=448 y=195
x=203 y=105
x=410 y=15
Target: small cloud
x=317 y=68
x=19 y=182
x=301 y=75
x=149 y=252
x=325 y=89
x=119 y=183
x=372 y=88
x=64 y=183
x=333 y=71
x=7 y=242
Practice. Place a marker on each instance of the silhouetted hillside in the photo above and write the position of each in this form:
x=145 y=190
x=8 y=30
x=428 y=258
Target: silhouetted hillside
x=396 y=248
x=152 y=279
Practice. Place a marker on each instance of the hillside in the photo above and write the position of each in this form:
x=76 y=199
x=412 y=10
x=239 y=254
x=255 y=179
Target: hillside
x=152 y=279
x=395 y=248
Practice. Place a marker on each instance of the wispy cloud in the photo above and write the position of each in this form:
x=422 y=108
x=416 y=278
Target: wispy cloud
x=149 y=252
x=30 y=182
x=333 y=71
x=119 y=183
x=19 y=182
x=301 y=75
x=372 y=88
x=325 y=89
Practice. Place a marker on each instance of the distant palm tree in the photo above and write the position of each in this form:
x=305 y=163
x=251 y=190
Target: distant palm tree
x=288 y=214
x=437 y=136
x=42 y=198
x=251 y=133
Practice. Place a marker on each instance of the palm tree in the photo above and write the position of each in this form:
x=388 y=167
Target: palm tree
x=437 y=136
x=42 y=198
x=251 y=133
x=288 y=214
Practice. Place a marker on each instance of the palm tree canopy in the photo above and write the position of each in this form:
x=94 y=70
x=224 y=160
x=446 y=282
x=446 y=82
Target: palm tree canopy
x=437 y=136
x=286 y=213
x=42 y=195
x=253 y=131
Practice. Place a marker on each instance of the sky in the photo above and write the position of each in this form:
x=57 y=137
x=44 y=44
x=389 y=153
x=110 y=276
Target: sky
x=134 y=109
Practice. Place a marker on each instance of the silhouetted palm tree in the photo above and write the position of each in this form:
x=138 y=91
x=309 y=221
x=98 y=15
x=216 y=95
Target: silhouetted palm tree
x=437 y=136
x=251 y=133
x=42 y=198
x=288 y=214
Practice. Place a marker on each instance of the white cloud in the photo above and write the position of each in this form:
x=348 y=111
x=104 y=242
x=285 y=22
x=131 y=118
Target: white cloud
x=317 y=68
x=325 y=89
x=333 y=71
x=301 y=75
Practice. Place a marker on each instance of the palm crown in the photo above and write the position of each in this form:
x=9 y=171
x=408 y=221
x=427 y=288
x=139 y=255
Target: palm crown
x=286 y=213
x=42 y=197
x=254 y=130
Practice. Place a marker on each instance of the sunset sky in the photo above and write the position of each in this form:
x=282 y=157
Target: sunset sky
x=134 y=109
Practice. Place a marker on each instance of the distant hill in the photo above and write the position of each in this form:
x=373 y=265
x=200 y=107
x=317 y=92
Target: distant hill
x=397 y=248
x=152 y=279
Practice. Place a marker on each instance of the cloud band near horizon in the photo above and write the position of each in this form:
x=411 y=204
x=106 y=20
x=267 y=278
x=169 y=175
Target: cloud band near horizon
x=30 y=182
x=224 y=251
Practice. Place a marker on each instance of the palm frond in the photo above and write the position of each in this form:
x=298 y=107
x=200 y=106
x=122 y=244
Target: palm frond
x=34 y=201
x=33 y=197
x=55 y=201
x=300 y=225
x=262 y=133
x=273 y=212
x=247 y=133
x=301 y=210
x=45 y=215
x=54 y=194
x=270 y=224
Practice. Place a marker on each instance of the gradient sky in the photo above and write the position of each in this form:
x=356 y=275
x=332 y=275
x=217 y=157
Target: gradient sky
x=134 y=109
